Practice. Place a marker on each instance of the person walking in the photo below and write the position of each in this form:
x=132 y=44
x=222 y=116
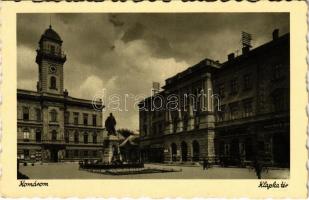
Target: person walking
x=205 y=164
x=258 y=168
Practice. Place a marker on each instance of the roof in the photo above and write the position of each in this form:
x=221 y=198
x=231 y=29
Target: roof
x=37 y=96
x=51 y=34
x=260 y=50
x=204 y=64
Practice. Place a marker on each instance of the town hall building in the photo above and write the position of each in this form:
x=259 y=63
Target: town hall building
x=51 y=125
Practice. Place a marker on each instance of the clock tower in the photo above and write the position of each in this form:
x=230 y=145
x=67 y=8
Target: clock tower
x=50 y=59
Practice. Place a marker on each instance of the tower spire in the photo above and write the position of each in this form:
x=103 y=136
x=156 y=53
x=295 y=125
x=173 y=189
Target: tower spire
x=50 y=26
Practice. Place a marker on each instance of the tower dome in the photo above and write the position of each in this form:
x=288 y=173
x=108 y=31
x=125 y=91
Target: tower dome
x=50 y=34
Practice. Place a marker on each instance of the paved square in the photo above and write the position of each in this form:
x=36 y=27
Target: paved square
x=71 y=171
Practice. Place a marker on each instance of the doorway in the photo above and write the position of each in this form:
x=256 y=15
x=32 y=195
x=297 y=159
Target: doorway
x=54 y=155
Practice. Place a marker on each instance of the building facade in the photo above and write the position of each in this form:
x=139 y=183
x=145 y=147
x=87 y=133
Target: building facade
x=51 y=125
x=239 y=110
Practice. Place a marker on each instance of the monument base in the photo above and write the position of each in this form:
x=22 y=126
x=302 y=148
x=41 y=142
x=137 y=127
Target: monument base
x=111 y=151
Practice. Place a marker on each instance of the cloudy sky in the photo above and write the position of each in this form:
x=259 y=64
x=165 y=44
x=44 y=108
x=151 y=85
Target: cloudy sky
x=125 y=53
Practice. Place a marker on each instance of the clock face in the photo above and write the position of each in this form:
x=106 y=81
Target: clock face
x=52 y=69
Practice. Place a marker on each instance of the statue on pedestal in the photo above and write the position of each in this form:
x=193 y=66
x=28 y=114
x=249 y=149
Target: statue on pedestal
x=110 y=124
x=111 y=148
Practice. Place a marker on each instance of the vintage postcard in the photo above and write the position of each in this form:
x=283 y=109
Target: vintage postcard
x=200 y=99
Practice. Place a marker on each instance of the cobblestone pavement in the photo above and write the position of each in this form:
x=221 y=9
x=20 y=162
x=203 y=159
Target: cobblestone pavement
x=71 y=171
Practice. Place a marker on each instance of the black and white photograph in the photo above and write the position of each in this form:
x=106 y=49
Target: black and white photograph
x=153 y=95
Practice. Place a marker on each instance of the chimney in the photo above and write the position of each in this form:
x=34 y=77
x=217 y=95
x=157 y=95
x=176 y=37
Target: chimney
x=245 y=50
x=275 y=34
x=231 y=56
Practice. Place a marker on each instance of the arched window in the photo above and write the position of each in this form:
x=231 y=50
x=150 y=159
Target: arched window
x=53 y=115
x=53 y=82
x=184 y=151
x=196 y=150
x=174 y=151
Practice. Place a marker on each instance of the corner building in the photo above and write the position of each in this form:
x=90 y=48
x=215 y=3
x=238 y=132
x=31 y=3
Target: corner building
x=252 y=121
x=51 y=125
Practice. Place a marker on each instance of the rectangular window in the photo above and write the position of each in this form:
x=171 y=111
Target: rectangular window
x=221 y=91
x=247 y=82
x=94 y=120
x=86 y=153
x=234 y=111
x=26 y=134
x=154 y=129
x=86 y=138
x=280 y=101
x=67 y=137
x=66 y=117
x=234 y=86
x=221 y=113
x=76 y=137
x=248 y=109
x=76 y=114
x=160 y=128
x=53 y=116
x=66 y=153
x=85 y=118
x=25 y=113
x=277 y=71
x=52 y=49
x=145 y=130
x=75 y=153
x=95 y=153
x=38 y=114
x=94 y=139
x=26 y=153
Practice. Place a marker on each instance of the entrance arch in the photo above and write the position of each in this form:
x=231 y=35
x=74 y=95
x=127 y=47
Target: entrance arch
x=184 y=151
x=174 y=151
x=196 y=150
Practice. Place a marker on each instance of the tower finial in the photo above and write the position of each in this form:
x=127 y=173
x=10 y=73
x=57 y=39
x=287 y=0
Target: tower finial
x=50 y=26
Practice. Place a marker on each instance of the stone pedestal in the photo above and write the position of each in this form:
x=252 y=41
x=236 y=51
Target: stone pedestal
x=111 y=151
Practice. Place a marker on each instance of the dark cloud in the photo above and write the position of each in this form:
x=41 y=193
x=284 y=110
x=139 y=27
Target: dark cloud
x=134 y=33
x=124 y=53
x=114 y=19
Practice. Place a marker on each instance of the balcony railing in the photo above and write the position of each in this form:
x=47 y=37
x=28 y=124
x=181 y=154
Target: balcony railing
x=51 y=54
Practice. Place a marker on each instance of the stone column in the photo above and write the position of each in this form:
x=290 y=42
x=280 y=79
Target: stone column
x=180 y=122
x=191 y=117
x=207 y=116
x=211 y=145
x=168 y=122
x=207 y=119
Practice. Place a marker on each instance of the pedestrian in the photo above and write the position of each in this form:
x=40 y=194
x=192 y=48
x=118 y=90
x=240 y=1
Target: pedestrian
x=258 y=168
x=205 y=164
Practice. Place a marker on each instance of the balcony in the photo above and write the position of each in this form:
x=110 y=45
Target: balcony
x=43 y=53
